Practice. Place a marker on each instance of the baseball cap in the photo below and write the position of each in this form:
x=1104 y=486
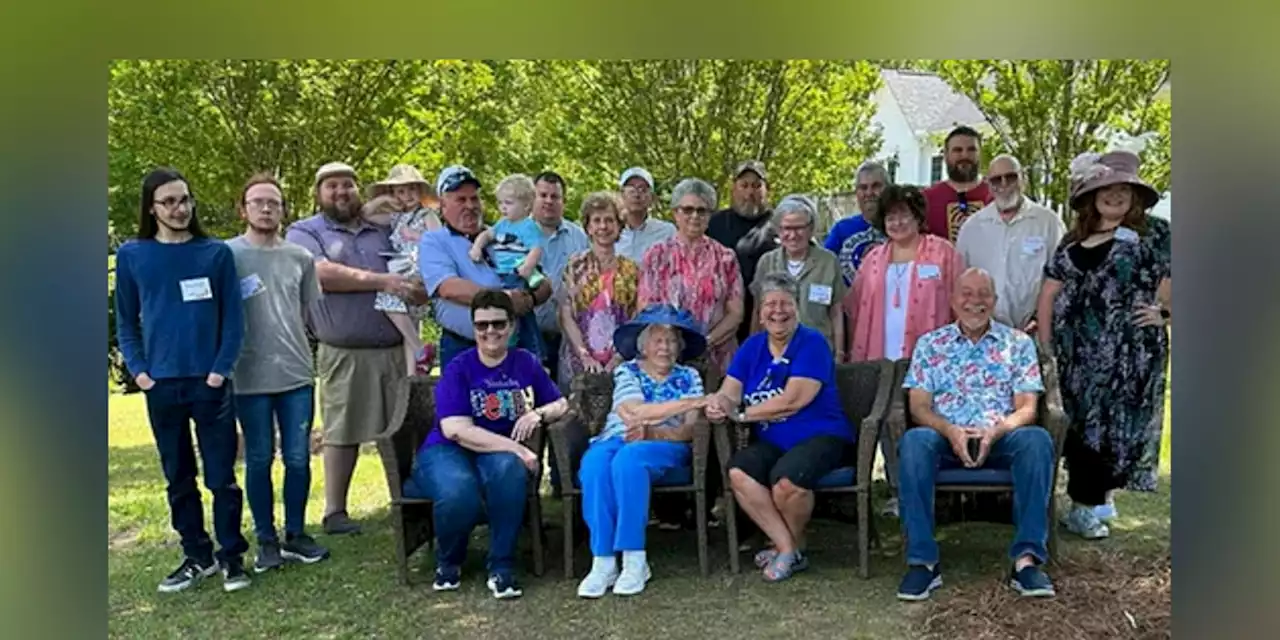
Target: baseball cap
x=334 y=169
x=635 y=172
x=452 y=178
x=754 y=166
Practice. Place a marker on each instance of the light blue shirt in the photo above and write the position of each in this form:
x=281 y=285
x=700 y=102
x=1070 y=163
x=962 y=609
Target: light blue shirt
x=443 y=254
x=630 y=382
x=557 y=248
x=632 y=243
x=512 y=242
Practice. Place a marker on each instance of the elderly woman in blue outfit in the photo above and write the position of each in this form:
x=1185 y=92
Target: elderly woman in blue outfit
x=782 y=380
x=647 y=434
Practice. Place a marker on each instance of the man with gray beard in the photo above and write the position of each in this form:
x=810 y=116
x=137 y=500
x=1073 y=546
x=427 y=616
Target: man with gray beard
x=360 y=359
x=744 y=227
x=1012 y=238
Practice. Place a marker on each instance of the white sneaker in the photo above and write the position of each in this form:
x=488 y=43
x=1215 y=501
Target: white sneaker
x=890 y=509
x=635 y=573
x=604 y=573
x=1082 y=521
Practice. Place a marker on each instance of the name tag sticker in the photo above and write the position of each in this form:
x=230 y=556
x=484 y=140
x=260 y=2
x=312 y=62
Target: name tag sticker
x=250 y=286
x=1032 y=245
x=820 y=293
x=196 y=289
x=928 y=271
x=1125 y=234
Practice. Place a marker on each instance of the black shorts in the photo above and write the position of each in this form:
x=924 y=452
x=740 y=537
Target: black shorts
x=804 y=465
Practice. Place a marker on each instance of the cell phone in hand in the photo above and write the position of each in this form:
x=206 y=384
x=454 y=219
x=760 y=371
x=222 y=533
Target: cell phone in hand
x=975 y=445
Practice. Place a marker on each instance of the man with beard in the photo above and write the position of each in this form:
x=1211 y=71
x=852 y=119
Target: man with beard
x=640 y=231
x=180 y=327
x=450 y=276
x=360 y=359
x=275 y=379
x=744 y=227
x=975 y=382
x=561 y=238
x=1012 y=238
x=850 y=238
x=953 y=200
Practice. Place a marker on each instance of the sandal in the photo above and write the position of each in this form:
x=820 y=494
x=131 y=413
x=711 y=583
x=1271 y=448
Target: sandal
x=784 y=565
x=765 y=556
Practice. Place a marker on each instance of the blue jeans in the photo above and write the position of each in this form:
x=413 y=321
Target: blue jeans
x=172 y=405
x=259 y=414
x=1026 y=451
x=461 y=484
x=615 y=478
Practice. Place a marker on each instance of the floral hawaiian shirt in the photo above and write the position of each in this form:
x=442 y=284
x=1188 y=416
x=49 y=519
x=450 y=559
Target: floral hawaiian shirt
x=702 y=277
x=973 y=384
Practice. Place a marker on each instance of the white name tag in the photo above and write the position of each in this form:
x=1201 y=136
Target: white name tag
x=928 y=271
x=250 y=286
x=1032 y=245
x=196 y=289
x=1125 y=234
x=820 y=293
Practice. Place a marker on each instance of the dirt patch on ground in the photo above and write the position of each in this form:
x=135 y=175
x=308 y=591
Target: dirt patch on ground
x=120 y=539
x=1101 y=594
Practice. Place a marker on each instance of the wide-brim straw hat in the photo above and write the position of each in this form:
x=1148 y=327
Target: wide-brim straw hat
x=1093 y=171
x=401 y=174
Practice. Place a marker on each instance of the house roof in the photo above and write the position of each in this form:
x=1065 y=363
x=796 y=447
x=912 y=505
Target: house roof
x=928 y=102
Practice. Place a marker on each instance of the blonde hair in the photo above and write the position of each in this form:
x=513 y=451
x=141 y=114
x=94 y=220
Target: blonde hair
x=600 y=202
x=519 y=187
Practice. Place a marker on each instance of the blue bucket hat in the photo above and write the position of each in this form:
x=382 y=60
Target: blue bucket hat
x=625 y=336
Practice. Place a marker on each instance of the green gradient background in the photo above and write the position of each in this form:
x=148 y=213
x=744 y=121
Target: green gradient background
x=52 y=392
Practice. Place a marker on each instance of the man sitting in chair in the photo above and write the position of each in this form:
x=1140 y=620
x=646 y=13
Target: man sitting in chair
x=973 y=388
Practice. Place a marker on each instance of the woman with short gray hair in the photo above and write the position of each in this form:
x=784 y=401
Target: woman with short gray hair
x=816 y=271
x=691 y=271
x=782 y=381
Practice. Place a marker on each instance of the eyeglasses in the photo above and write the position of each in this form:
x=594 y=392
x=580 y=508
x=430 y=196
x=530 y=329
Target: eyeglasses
x=262 y=204
x=174 y=203
x=693 y=211
x=786 y=228
x=633 y=190
x=484 y=325
x=1003 y=179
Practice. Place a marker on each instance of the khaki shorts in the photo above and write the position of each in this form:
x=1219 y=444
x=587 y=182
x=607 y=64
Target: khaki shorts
x=357 y=391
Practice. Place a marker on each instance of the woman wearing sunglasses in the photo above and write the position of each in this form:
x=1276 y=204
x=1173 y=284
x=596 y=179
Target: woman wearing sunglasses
x=782 y=381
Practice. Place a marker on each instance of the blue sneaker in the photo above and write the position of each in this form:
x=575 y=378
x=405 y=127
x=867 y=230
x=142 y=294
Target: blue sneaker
x=1082 y=521
x=919 y=583
x=1106 y=511
x=447 y=579
x=504 y=586
x=1032 y=582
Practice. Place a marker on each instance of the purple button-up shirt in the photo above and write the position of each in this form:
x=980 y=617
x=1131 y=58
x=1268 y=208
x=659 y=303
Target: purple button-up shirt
x=347 y=319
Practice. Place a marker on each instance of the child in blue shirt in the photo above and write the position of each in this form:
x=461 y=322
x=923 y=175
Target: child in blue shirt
x=515 y=248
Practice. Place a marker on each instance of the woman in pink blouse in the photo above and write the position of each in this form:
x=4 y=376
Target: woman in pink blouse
x=902 y=290
x=691 y=271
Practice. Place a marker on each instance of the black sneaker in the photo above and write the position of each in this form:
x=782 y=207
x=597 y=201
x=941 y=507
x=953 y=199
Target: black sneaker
x=1032 y=582
x=919 y=583
x=234 y=577
x=447 y=579
x=187 y=574
x=302 y=548
x=268 y=557
x=504 y=586
x=339 y=523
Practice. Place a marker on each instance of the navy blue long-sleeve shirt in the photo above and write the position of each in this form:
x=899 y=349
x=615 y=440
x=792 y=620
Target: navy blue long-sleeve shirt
x=178 y=310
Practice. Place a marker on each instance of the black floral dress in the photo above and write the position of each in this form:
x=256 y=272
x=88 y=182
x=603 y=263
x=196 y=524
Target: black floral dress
x=1112 y=373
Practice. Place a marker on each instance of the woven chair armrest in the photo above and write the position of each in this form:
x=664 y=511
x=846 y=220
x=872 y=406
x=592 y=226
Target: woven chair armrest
x=701 y=451
x=566 y=432
x=724 y=443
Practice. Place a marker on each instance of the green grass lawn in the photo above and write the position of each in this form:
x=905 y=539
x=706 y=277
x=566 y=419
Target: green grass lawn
x=356 y=594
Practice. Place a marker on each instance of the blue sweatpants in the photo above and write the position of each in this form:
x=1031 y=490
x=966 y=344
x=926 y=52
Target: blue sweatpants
x=615 y=478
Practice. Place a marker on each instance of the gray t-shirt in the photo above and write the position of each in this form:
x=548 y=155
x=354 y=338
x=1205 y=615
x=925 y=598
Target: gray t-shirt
x=276 y=285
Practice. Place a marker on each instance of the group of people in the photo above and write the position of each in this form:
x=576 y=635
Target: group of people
x=968 y=279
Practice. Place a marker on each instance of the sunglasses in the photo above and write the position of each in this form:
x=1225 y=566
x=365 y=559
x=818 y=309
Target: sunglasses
x=693 y=211
x=482 y=326
x=1003 y=179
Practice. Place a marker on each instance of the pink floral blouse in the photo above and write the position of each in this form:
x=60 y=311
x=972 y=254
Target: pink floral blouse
x=700 y=276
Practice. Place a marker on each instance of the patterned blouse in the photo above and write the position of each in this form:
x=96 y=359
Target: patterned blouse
x=601 y=300
x=702 y=277
x=630 y=382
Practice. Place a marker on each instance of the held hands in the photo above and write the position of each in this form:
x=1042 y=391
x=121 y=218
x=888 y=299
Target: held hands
x=718 y=408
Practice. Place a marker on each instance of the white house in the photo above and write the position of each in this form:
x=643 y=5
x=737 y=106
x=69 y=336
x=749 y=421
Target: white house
x=914 y=109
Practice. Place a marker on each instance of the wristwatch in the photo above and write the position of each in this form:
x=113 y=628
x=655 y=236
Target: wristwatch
x=741 y=416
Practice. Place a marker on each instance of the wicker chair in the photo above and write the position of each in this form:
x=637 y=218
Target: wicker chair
x=590 y=401
x=1049 y=414
x=411 y=518
x=864 y=389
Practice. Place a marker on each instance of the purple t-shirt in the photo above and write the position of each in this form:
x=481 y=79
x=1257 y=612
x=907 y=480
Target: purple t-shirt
x=492 y=397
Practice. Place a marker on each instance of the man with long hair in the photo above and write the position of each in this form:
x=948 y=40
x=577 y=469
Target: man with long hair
x=180 y=328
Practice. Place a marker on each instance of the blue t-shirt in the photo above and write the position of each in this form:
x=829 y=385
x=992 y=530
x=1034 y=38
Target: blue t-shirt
x=850 y=239
x=512 y=241
x=807 y=356
x=493 y=397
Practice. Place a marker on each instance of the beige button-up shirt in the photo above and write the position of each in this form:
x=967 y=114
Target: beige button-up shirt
x=1014 y=253
x=821 y=286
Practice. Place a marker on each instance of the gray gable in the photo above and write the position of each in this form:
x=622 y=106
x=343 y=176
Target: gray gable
x=928 y=102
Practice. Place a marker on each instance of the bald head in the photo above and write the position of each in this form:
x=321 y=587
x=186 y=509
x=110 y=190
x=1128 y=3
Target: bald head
x=974 y=299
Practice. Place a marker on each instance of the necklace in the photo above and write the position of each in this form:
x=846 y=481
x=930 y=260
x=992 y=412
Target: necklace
x=898 y=274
